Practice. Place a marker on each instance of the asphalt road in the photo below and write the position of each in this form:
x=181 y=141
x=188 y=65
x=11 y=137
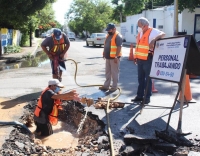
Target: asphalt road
x=24 y=84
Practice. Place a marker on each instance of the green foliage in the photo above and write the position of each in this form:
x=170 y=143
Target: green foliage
x=16 y=13
x=182 y=4
x=46 y=18
x=118 y=10
x=12 y=49
x=23 y=15
x=131 y=7
x=89 y=15
x=24 y=38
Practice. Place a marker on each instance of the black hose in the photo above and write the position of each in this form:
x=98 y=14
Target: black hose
x=15 y=123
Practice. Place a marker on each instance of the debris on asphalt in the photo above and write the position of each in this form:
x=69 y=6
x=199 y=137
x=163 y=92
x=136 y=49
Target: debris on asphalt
x=93 y=139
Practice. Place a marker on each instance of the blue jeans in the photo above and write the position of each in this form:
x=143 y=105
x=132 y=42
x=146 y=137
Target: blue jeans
x=144 y=68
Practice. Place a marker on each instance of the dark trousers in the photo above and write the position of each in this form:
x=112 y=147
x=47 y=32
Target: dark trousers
x=144 y=68
x=57 y=64
x=45 y=129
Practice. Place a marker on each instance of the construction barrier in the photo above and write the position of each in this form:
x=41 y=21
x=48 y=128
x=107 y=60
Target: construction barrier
x=187 y=94
x=154 y=90
x=131 y=57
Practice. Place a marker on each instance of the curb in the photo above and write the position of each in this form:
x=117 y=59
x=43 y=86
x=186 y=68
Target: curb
x=33 y=53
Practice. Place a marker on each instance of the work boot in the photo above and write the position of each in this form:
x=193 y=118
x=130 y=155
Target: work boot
x=147 y=101
x=112 y=89
x=103 y=88
x=60 y=79
x=137 y=99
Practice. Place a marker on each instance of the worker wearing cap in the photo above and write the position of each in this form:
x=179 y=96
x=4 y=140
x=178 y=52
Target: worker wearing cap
x=46 y=111
x=112 y=54
x=58 y=44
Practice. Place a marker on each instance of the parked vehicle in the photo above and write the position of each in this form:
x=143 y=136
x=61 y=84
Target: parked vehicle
x=96 y=39
x=71 y=36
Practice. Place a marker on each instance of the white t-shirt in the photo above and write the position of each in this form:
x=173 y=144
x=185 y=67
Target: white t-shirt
x=154 y=33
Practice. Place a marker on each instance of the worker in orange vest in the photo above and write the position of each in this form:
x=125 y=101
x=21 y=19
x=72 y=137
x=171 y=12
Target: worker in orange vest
x=112 y=53
x=56 y=47
x=46 y=111
x=143 y=56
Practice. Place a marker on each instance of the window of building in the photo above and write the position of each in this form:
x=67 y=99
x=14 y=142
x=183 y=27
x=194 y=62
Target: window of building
x=160 y=27
x=131 y=29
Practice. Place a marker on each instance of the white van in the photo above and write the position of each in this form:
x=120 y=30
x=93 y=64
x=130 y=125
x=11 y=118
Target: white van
x=71 y=36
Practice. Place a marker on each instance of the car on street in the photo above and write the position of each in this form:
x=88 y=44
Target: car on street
x=96 y=39
x=71 y=36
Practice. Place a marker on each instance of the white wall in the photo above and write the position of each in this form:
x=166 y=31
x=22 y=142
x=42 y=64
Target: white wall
x=169 y=21
x=164 y=17
x=131 y=27
x=155 y=14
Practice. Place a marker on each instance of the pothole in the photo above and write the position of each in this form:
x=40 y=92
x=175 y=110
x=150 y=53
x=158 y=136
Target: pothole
x=65 y=140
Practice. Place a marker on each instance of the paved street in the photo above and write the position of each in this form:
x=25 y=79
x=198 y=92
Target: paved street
x=25 y=84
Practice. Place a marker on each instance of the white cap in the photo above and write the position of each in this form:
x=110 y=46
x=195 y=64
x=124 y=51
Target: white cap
x=55 y=82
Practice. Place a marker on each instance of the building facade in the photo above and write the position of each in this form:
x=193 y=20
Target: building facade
x=163 y=19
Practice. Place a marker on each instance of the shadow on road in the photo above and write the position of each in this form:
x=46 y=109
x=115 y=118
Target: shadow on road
x=25 y=98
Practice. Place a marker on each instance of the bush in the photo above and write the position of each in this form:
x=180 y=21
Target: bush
x=12 y=49
x=24 y=39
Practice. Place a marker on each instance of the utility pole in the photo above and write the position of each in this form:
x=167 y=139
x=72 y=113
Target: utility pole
x=175 y=17
x=120 y=16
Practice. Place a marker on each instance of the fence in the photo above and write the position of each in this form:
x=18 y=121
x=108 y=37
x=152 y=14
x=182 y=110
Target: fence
x=9 y=37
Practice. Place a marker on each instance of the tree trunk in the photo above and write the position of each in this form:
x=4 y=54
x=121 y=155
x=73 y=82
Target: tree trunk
x=30 y=37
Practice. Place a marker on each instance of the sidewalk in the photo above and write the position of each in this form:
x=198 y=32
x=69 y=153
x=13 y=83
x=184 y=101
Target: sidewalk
x=13 y=57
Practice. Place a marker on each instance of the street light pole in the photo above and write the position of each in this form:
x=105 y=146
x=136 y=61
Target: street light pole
x=175 y=17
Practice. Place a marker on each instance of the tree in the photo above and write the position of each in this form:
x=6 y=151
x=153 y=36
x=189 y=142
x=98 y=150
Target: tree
x=21 y=14
x=182 y=4
x=47 y=19
x=124 y=8
x=89 y=15
x=118 y=12
x=16 y=13
x=131 y=7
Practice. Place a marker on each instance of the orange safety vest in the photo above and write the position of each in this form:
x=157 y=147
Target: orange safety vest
x=58 y=45
x=53 y=117
x=113 y=46
x=142 y=46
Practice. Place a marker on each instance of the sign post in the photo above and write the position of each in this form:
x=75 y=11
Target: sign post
x=179 y=130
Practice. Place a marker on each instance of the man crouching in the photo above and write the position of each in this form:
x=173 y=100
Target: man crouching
x=46 y=111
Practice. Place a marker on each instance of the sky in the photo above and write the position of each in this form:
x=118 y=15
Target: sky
x=61 y=7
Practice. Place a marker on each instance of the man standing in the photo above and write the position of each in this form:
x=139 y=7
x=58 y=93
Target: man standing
x=46 y=111
x=143 y=56
x=58 y=44
x=112 y=54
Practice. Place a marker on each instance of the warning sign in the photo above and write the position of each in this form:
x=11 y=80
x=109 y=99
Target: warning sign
x=168 y=59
